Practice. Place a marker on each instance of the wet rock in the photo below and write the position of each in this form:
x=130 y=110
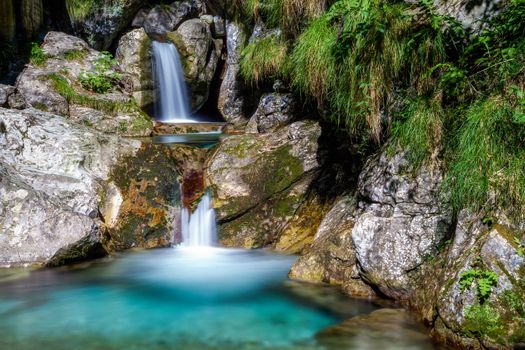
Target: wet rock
x=65 y=189
x=470 y=14
x=332 y=258
x=55 y=87
x=104 y=22
x=163 y=19
x=134 y=57
x=274 y=110
x=231 y=98
x=259 y=181
x=200 y=55
x=140 y=18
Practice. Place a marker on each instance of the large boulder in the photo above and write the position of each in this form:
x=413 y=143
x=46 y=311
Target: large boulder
x=101 y=22
x=231 y=98
x=66 y=191
x=134 y=57
x=200 y=55
x=400 y=223
x=162 y=19
x=54 y=86
x=260 y=181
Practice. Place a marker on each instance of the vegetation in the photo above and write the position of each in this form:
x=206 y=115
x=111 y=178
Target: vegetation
x=78 y=10
x=485 y=281
x=399 y=73
x=103 y=77
x=481 y=321
x=264 y=58
x=37 y=56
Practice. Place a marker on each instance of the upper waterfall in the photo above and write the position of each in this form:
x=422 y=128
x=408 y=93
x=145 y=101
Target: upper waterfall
x=172 y=103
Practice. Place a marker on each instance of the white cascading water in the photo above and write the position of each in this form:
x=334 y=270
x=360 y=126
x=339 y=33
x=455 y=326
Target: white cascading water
x=199 y=228
x=173 y=104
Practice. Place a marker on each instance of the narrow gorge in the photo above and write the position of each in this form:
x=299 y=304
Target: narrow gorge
x=262 y=174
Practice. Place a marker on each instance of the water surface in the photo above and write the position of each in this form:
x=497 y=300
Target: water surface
x=181 y=298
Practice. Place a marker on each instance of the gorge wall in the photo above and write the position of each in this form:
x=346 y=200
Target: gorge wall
x=79 y=177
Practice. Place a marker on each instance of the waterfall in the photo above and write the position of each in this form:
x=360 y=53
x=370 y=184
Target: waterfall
x=172 y=102
x=199 y=229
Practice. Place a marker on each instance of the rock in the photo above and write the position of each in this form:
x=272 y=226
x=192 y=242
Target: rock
x=259 y=181
x=65 y=189
x=5 y=92
x=200 y=55
x=55 y=87
x=485 y=248
x=401 y=222
x=274 y=110
x=332 y=257
x=134 y=57
x=470 y=15
x=231 y=98
x=140 y=18
x=104 y=22
x=32 y=16
x=163 y=19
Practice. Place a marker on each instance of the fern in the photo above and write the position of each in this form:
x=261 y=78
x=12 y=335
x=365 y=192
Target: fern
x=485 y=281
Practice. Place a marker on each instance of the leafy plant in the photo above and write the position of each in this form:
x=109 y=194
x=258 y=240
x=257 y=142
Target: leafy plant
x=485 y=281
x=37 y=56
x=519 y=247
x=263 y=59
x=103 y=77
x=481 y=321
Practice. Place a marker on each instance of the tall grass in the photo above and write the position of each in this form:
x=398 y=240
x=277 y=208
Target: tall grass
x=487 y=166
x=264 y=59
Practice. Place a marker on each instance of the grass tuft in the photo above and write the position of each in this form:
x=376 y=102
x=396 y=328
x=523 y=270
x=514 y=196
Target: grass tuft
x=264 y=59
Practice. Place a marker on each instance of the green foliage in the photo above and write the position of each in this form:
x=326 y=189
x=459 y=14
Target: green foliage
x=487 y=156
x=519 y=247
x=103 y=77
x=418 y=129
x=37 y=56
x=485 y=281
x=353 y=57
x=78 y=10
x=482 y=321
x=513 y=302
x=75 y=55
x=264 y=59
x=63 y=87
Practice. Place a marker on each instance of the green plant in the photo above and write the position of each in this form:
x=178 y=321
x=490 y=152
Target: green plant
x=103 y=77
x=485 y=281
x=520 y=247
x=263 y=59
x=513 y=302
x=78 y=10
x=37 y=55
x=481 y=321
x=75 y=55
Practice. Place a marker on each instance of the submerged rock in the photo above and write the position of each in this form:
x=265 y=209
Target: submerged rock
x=259 y=181
x=54 y=86
x=63 y=193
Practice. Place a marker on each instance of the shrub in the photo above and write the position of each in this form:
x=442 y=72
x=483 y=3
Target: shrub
x=482 y=321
